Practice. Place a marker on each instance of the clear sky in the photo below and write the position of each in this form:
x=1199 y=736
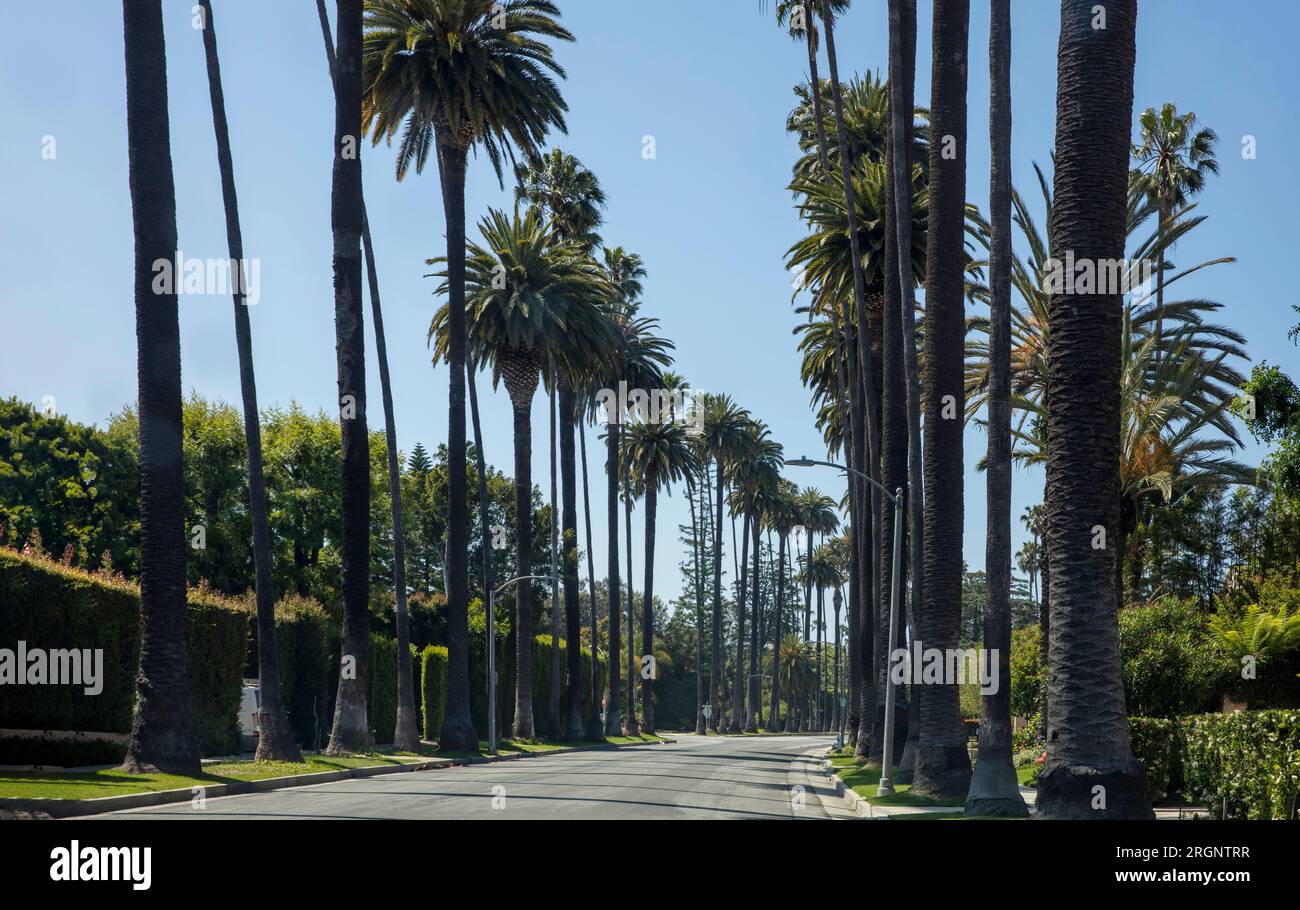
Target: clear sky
x=710 y=214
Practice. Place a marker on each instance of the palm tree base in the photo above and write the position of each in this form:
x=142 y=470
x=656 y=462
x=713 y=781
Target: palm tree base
x=942 y=770
x=994 y=788
x=574 y=727
x=406 y=738
x=631 y=728
x=275 y=741
x=906 y=764
x=457 y=735
x=1081 y=792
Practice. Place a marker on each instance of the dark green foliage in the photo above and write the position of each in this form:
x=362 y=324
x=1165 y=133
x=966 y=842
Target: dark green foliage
x=1157 y=744
x=60 y=753
x=75 y=485
x=1168 y=665
x=52 y=606
x=381 y=691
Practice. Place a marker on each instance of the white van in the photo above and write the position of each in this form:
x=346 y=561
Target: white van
x=250 y=715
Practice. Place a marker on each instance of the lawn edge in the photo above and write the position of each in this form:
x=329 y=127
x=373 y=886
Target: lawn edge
x=75 y=808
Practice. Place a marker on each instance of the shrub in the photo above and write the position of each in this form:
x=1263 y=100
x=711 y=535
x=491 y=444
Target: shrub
x=381 y=688
x=1246 y=764
x=1156 y=743
x=49 y=605
x=62 y=753
x=1026 y=672
x=1167 y=662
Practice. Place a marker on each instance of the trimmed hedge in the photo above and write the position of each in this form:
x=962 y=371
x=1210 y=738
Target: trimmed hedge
x=50 y=605
x=1157 y=744
x=1246 y=764
x=433 y=663
x=433 y=689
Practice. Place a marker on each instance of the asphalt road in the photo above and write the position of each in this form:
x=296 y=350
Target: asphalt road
x=695 y=777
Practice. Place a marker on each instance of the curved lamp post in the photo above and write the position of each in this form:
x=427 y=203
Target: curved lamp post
x=492 y=651
x=886 y=786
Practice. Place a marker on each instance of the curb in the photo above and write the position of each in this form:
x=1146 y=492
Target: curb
x=73 y=808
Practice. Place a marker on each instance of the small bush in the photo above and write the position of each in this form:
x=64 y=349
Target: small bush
x=1026 y=672
x=1168 y=664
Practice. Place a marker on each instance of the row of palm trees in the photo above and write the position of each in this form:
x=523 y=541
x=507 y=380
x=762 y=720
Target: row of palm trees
x=1120 y=398
x=536 y=303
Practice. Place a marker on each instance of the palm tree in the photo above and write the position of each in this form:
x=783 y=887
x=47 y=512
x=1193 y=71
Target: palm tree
x=162 y=731
x=721 y=439
x=698 y=483
x=942 y=763
x=639 y=356
x=902 y=80
x=1173 y=160
x=449 y=77
x=276 y=741
x=571 y=195
x=823 y=573
x=351 y=729
x=755 y=476
x=549 y=305
x=659 y=454
x=994 y=789
x=406 y=735
x=1088 y=736
x=782 y=514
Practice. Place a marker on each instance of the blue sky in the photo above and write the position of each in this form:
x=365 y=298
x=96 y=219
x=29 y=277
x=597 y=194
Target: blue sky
x=710 y=214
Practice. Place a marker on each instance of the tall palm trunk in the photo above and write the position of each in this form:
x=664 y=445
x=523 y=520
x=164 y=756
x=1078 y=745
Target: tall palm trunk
x=942 y=762
x=837 y=601
x=162 y=732
x=902 y=57
x=738 y=686
x=821 y=639
x=752 y=686
x=275 y=741
x=1090 y=770
x=595 y=729
x=457 y=727
x=697 y=543
x=631 y=727
x=774 y=712
x=612 y=716
x=893 y=453
x=715 y=655
x=647 y=600
x=574 y=728
x=351 y=729
x=554 y=722
x=519 y=368
x=406 y=735
x=480 y=466
x=865 y=375
x=994 y=789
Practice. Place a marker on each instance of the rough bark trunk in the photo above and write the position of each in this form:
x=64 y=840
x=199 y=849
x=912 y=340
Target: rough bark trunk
x=574 y=726
x=1090 y=770
x=613 y=720
x=994 y=789
x=523 y=727
x=162 y=732
x=942 y=762
x=647 y=602
x=595 y=728
x=351 y=728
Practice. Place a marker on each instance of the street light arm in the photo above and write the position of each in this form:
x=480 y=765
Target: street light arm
x=545 y=578
x=806 y=462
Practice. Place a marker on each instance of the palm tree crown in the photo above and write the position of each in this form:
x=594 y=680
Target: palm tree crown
x=464 y=70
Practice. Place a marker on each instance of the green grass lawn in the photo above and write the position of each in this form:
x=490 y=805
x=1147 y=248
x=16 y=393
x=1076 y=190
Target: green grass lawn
x=111 y=782
x=1026 y=774
x=864 y=779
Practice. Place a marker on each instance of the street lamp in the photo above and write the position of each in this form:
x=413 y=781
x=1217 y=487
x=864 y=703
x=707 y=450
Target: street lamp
x=492 y=653
x=886 y=787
